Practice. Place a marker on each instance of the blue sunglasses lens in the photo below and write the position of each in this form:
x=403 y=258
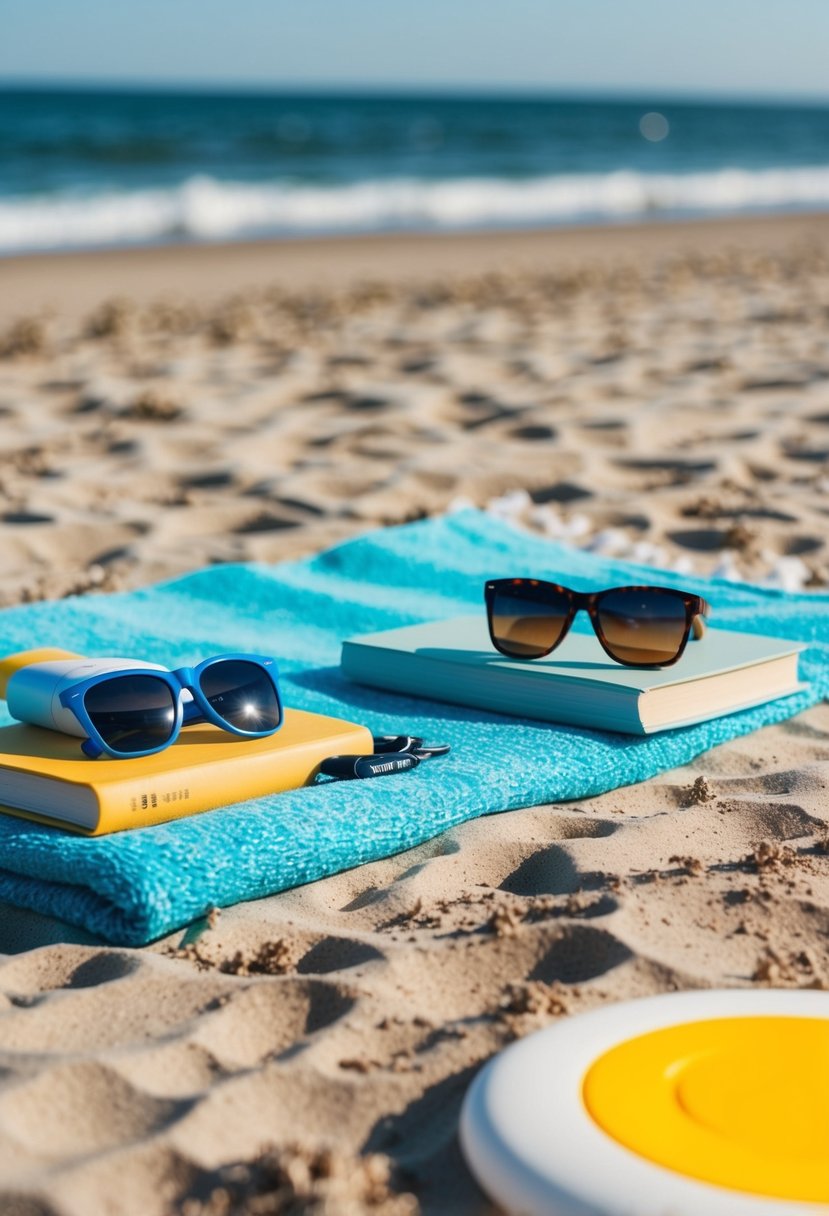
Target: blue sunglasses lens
x=243 y=695
x=132 y=713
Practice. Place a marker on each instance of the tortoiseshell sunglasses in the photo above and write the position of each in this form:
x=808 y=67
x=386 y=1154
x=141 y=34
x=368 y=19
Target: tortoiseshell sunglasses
x=636 y=626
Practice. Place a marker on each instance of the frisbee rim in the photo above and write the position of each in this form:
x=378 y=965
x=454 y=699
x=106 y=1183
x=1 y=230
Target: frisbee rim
x=582 y=1171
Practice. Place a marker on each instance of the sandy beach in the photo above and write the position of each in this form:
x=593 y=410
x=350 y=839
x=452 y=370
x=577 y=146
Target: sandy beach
x=657 y=394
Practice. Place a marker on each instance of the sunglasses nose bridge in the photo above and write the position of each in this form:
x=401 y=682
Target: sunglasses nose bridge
x=186 y=678
x=582 y=602
x=184 y=695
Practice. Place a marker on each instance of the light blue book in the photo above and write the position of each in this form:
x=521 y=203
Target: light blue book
x=577 y=684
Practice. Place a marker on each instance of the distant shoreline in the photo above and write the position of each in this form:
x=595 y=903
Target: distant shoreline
x=72 y=282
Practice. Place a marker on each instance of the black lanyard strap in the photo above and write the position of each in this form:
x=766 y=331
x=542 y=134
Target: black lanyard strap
x=392 y=754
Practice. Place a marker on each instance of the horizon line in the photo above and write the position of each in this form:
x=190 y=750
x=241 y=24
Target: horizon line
x=426 y=91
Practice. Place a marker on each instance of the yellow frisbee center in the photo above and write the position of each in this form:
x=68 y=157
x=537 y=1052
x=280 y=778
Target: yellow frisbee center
x=739 y=1102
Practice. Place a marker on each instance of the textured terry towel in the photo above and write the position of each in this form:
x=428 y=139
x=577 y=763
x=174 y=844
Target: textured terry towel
x=135 y=886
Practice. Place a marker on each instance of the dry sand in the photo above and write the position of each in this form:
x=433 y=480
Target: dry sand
x=659 y=394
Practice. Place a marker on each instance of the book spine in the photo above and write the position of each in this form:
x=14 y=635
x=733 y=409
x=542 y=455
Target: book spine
x=159 y=797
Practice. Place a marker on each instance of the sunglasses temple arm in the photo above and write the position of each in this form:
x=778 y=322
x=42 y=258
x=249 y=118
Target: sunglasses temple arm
x=91 y=749
x=700 y=623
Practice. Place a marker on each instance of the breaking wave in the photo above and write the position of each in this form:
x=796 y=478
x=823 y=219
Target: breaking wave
x=205 y=209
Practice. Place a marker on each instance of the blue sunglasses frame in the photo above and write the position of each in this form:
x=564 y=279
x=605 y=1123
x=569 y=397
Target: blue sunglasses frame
x=185 y=713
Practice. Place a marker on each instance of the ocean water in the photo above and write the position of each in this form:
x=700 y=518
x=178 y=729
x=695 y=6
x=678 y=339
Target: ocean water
x=92 y=168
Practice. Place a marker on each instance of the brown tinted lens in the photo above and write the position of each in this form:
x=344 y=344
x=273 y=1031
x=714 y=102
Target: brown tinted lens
x=524 y=624
x=644 y=626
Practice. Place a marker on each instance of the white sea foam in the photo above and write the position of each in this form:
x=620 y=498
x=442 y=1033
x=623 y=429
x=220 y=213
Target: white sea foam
x=205 y=209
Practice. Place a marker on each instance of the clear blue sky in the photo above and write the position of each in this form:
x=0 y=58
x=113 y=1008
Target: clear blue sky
x=759 y=47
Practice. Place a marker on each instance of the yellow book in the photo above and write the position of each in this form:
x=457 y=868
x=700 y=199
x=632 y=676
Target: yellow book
x=45 y=776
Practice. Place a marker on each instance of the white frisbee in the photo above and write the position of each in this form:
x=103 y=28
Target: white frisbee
x=689 y=1104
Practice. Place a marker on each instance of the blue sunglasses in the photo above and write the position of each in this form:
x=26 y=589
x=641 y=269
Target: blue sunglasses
x=137 y=712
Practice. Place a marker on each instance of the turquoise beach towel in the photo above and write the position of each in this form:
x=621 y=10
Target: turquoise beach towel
x=136 y=886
